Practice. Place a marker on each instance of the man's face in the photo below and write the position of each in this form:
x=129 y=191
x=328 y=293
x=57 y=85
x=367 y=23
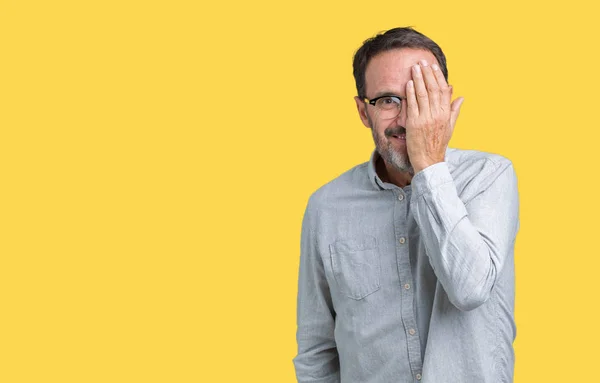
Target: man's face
x=387 y=74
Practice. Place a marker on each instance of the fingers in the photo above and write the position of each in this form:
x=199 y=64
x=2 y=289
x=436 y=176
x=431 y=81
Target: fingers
x=420 y=90
x=445 y=89
x=412 y=106
x=431 y=84
x=428 y=94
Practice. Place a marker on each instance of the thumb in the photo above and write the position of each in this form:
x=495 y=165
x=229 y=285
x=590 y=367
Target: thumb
x=455 y=110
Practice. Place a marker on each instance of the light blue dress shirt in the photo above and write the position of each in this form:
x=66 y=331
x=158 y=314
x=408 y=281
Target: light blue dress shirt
x=412 y=284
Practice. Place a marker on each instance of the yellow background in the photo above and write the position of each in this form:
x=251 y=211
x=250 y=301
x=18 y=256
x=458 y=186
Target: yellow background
x=157 y=156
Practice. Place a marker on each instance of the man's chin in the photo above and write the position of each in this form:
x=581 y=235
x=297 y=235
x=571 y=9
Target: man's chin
x=397 y=160
x=398 y=151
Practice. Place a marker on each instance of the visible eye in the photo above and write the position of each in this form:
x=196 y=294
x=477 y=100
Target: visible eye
x=389 y=102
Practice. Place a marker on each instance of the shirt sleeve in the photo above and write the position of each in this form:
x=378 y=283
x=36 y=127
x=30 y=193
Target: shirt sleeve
x=317 y=360
x=467 y=243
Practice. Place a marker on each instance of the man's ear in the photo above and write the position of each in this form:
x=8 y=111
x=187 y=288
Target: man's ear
x=362 y=111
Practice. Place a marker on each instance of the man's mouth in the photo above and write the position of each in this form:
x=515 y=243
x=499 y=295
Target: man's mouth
x=397 y=133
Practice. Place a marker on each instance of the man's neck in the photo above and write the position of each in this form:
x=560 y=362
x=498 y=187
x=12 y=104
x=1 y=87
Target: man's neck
x=388 y=174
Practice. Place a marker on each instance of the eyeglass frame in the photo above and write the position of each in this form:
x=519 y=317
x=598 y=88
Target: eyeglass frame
x=373 y=101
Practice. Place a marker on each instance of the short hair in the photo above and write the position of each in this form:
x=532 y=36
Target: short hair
x=396 y=38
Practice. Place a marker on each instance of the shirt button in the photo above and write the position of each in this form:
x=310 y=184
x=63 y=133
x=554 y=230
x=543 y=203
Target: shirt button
x=407 y=286
x=411 y=331
x=402 y=240
x=418 y=376
x=400 y=197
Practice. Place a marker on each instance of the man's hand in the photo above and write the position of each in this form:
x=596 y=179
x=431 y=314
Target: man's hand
x=430 y=116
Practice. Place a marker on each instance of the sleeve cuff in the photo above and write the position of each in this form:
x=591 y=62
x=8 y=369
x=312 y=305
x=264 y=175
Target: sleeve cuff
x=430 y=178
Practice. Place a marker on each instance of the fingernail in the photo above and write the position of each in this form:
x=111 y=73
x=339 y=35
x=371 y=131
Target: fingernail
x=417 y=69
x=424 y=62
x=435 y=67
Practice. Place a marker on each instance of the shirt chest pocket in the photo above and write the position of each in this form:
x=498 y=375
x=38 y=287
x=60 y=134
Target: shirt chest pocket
x=356 y=266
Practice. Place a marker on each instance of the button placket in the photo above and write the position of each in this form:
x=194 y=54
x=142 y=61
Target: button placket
x=401 y=223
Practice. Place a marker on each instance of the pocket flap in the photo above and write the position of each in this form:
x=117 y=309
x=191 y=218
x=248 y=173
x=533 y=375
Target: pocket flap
x=347 y=245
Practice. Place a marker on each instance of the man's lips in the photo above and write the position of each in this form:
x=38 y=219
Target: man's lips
x=398 y=133
x=401 y=136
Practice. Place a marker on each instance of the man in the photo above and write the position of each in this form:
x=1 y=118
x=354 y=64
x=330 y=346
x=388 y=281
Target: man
x=406 y=266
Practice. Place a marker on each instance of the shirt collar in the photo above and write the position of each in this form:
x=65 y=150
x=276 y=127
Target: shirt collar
x=373 y=177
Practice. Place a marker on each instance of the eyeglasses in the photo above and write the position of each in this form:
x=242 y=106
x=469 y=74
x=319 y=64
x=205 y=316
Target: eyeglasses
x=389 y=106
